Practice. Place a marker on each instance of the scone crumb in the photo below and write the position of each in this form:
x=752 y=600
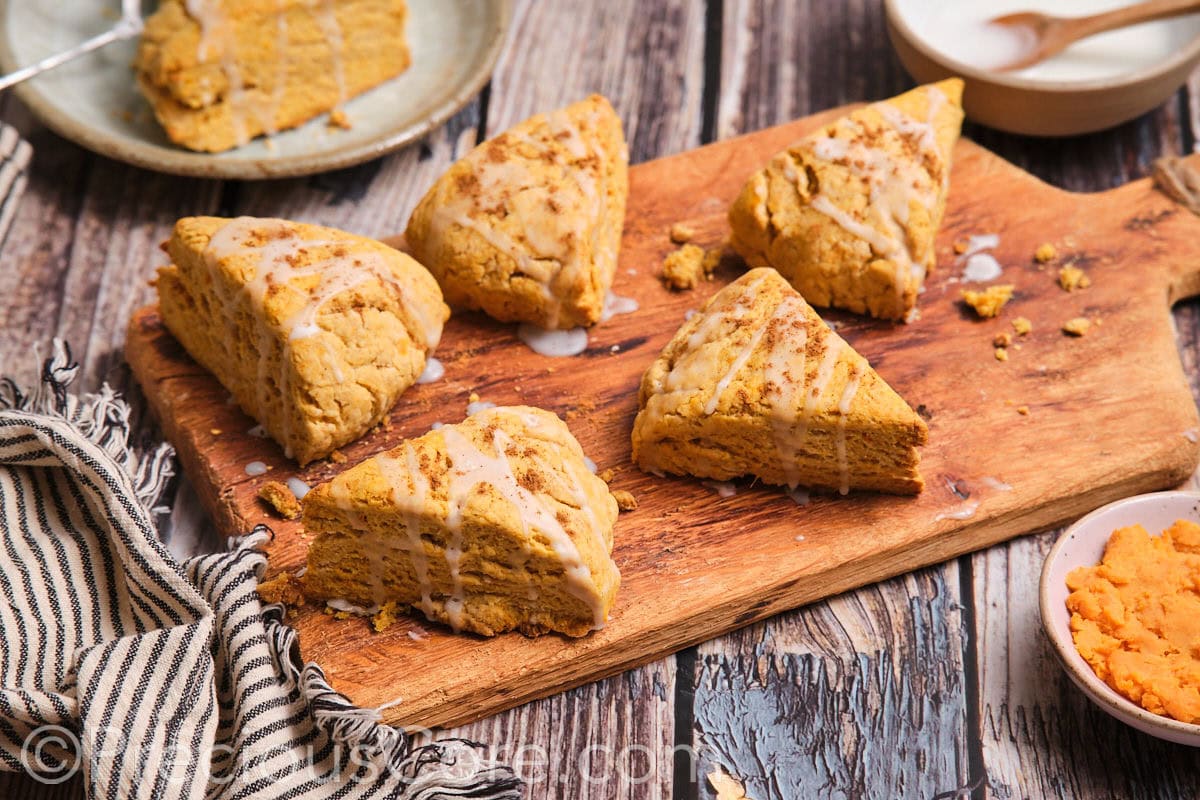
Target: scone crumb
x=283 y=588
x=681 y=233
x=961 y=246
x=607 y=475
x=683 y=268
x=387 y=616
x=215 y=431
x=1001 y=354
x=1022 y=326
x=339 y=119
x=712 y=260
x=279 y=497
x=337 y=457
x=1071 y=278
x=1077 y=326
x=625 y=500
x=726 y=786
x=1023 y=411
x=989 y=302
x=1002 y=339
x=1046 y=252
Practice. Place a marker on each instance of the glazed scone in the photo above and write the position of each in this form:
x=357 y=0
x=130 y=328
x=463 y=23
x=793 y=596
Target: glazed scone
x=314 y=332
x=849 y=214
x=526 y=227
x=220 y=72
x=757 y=384
x=490 y=525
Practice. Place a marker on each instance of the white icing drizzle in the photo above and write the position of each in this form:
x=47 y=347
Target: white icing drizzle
x=791 y=399
x=722 y=488
x=982 y=267
x=979 y=242
x=1192 y=434
x=273 y=265
x=479 y=405
x=965 y=512
x=995 y=483
x=410 y=488
x=893 y=183
x=207 y=15
x=848 y=395
x=327 y=19
x=349 y=608
x=434 y=370
x=591 y=465
x=784 y=371
x=470 y=467
x=556 y=344
x=553 y=239
x=256 y=468
x=615 y=304
x=298 y=487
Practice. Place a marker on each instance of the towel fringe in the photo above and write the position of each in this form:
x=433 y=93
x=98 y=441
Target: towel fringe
x=102 y=418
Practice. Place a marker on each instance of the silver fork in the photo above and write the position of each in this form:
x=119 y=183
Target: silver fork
x=127 y=27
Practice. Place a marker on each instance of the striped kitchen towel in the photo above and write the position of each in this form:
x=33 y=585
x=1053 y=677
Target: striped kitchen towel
x=155 y=679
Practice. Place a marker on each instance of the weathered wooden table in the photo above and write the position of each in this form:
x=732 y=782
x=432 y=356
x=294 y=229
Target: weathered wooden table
x=935 y=684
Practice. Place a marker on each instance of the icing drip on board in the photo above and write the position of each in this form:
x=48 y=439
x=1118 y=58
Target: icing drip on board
x=275 y=264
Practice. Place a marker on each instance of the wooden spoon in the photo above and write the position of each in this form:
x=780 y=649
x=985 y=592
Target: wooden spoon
x=1051 y=35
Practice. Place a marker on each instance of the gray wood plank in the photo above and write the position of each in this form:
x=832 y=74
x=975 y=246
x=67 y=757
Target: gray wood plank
x=610 y=740
x=647 y=58
x=859 y=696
x=863 y=695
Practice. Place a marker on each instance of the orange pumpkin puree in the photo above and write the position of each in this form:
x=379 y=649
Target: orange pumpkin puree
x=1135 y=617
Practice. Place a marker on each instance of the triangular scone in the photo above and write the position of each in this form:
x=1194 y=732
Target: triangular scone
x=218 y=73
x=757 y=384
x=490 y=525
x=526 y=227
x=849 y=214
x=314 y=332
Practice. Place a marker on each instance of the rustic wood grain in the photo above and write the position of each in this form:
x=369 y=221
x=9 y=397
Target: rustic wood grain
x=776 y=64
x=647 y=58
x=860 y=695
x=1038 y=735
x=608 y=740
x=1127 y=367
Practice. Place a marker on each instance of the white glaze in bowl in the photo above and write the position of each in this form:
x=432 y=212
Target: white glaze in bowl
x=1042 y=103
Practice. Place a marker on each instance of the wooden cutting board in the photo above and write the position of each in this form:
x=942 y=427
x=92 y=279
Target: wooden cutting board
x=1109 y=415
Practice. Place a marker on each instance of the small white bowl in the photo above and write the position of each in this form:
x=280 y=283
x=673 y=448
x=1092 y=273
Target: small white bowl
x=1041 y=107
x=1083 y=545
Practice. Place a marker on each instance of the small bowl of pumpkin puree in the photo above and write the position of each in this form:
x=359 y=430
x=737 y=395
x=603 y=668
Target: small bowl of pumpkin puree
x=1120 y=602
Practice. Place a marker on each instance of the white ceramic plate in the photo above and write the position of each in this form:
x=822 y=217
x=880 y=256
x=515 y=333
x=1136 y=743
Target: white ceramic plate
x=93 y=101
x=1083 y=545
